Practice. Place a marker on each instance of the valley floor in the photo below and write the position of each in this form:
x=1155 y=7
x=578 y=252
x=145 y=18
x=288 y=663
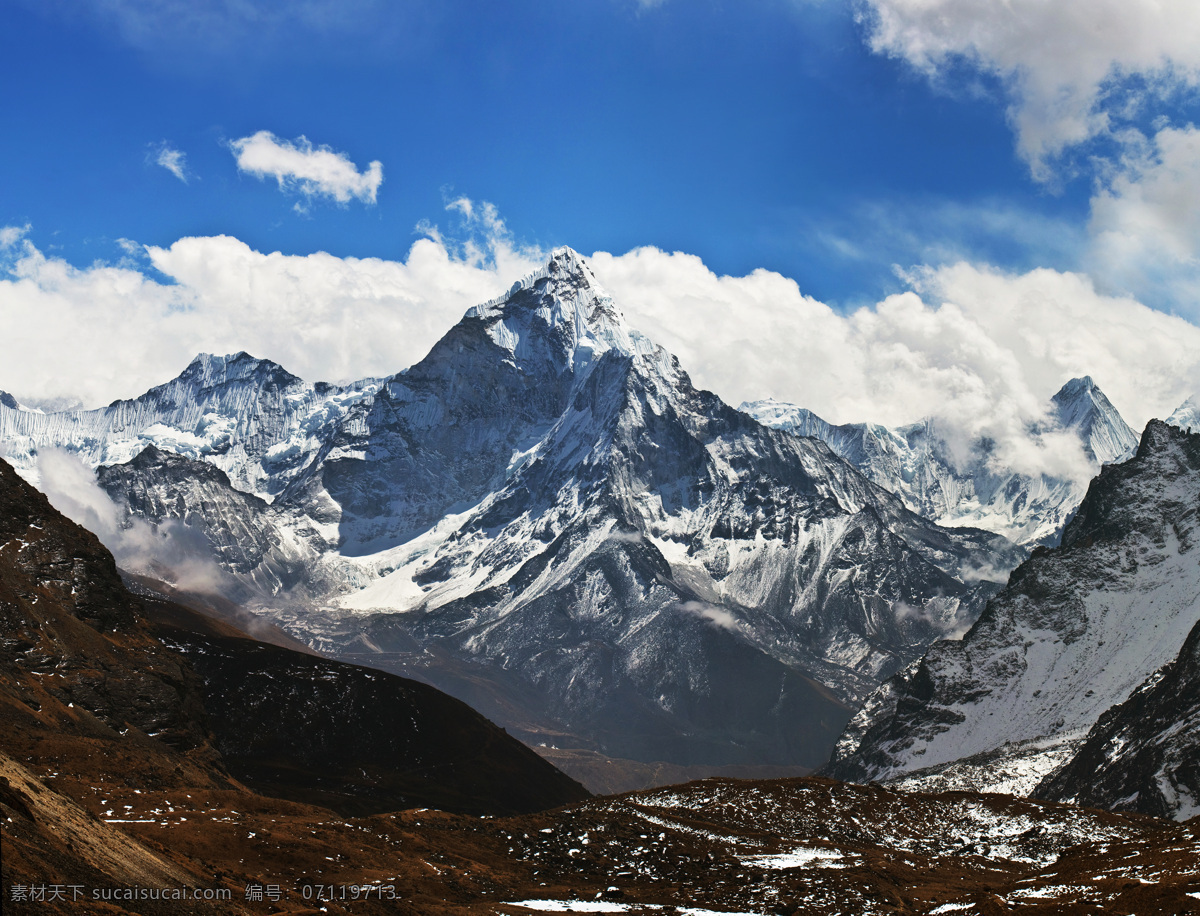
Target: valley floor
x=788 y=846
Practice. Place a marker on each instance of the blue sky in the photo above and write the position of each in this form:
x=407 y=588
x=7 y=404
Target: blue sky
x=747 y=134
x=882 y=209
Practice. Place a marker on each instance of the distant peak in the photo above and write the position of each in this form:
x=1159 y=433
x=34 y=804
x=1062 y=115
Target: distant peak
x=1075 y=388
x=565 y=299
x=1081 y=406
x=1187 y=415
x=211 y=368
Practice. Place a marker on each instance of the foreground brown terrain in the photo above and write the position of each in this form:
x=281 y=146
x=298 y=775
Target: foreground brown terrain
x=718 y=846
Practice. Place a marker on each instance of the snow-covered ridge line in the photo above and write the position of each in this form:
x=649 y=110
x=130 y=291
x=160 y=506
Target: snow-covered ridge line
x=564 y=254
x=249 y=417
x=918 y=464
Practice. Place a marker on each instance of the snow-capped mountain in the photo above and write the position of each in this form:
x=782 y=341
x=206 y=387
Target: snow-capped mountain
x=546 y=505
x=1187 y=415
x=249 y=417
x=1077 y=630
x=1143 y=755
x=917 y=464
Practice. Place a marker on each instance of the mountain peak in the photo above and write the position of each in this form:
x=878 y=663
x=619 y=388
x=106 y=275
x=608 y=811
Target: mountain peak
x=1081 y=406
x=1187 y=414
x=563 y=299
x=211 y=369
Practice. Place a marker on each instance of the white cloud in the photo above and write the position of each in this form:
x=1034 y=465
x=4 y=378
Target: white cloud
x=1146 y=223
x=713 y=614
x=980 y=349
x=107 y=332
x=172 y=552
x=10 y=235
x=313 y=171
x=1064 y=62
x=173 y=160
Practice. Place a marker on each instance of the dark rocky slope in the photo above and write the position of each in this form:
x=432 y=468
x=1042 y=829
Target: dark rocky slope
x=84 y=671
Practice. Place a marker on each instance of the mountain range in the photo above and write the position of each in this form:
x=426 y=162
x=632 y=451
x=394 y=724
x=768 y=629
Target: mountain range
x=924 y=467
x=153 y=753
x=545 y=518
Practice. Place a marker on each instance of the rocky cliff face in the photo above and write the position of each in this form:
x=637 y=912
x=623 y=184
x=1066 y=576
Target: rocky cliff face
x=1077 y=629
x=919 y=465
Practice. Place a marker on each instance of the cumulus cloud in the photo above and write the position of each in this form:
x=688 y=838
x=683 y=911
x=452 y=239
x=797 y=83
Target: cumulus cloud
x=979 y=349
x=173 y=160
x=314 y=171
x=106 y=332
x=1146 y=224
x=11 y=235
x=1065 y=63
x=171 y=552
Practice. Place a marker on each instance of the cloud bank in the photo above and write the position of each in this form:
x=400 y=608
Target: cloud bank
x=1100 y=88
x=312 y=171
x=171 y=552
x=1145 y=226
x=980 y=349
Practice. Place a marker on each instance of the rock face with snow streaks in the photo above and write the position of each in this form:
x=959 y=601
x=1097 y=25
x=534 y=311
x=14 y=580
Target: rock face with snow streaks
x=1143 y=755
x=918 y=464
x=679 y=582
x=250 y=417
x=1077 y=629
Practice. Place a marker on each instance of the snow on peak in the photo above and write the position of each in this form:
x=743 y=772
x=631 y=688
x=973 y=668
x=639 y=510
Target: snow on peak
x=1081 y=406
x=7 y=400
x=564 y=299
x=1187 y=414
x=209 y=369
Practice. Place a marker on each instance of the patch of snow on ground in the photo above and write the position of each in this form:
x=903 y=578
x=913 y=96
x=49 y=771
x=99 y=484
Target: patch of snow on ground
x=579 y=906
x=797 y=858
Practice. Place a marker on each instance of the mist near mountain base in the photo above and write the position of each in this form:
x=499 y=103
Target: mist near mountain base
x=172 y=552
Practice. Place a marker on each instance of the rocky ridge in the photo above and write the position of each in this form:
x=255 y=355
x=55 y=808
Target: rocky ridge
x=1144 y=754
x=1077 y=629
